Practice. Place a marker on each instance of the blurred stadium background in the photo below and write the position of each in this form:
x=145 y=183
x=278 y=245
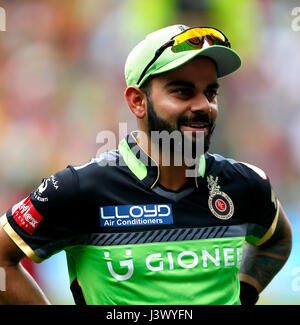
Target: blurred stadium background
x=61 y=82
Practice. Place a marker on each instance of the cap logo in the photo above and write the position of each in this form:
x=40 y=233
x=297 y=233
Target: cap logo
x=182 y=28
x=220 y=204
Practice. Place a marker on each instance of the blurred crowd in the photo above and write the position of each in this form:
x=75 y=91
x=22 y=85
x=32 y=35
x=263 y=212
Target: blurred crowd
x=62 y=82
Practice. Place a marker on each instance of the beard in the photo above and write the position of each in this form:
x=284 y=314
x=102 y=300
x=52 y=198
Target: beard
x=157 y=124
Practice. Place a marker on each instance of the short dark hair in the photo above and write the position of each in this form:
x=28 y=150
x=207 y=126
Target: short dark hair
x=146 y=85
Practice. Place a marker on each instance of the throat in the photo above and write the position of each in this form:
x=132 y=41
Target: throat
x=173 y=177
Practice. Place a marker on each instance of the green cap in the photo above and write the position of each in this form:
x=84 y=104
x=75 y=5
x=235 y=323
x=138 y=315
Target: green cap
x=226 y=59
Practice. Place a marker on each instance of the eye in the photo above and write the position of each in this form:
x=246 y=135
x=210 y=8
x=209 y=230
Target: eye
x=182 y=91
x=211 y=93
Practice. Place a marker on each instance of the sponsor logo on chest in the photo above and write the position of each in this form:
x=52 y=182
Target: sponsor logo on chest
x=171 y=261
x=135 y=215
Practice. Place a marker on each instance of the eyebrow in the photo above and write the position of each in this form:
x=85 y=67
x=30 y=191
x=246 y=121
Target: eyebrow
x=188 y=84
x=214 y=85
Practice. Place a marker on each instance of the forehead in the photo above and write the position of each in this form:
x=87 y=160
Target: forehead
x=198 y=70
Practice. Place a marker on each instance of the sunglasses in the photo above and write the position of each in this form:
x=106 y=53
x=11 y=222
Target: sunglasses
x=191 y=39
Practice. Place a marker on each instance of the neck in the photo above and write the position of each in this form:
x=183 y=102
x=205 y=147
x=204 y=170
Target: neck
x=172 y=177
x=172 y=169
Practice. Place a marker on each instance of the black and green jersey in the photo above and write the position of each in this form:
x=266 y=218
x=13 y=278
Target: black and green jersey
x=128 y=240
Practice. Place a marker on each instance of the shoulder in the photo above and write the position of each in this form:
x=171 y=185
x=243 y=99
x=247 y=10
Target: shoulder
x=249 y=183
x=230 y=165
x=98 y=165
x=98 y=172
x=71 y=182
x=237 y=171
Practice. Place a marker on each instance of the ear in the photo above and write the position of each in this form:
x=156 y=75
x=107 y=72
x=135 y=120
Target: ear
x=137 y=101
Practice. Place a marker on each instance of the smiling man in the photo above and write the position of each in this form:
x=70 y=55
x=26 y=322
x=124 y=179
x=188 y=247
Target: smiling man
x=185 y=101
x=138 y=231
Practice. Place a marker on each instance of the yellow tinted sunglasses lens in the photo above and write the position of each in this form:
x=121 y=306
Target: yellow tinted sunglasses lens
x=194 y=39
x=198 y=32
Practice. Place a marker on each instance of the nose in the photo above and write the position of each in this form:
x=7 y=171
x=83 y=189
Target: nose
x=201 y=104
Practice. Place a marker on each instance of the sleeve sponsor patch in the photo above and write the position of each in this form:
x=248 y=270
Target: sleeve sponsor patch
x=26 y=216
x=50 y=182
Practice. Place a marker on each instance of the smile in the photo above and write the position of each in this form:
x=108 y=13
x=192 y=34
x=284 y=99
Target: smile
x=195 y=126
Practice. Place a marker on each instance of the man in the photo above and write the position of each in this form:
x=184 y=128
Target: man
x=139 y=231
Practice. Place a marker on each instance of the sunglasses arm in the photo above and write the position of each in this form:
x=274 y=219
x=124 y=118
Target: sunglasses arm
x=156 y=56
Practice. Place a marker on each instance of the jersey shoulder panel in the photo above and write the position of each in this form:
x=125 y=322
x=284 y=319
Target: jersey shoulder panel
x=258 y=180
x=56 y=191
x=110 y=158
x=232 y=167
x=256 y=169
x=44 y=221
x=255 y=193
x=94 y=176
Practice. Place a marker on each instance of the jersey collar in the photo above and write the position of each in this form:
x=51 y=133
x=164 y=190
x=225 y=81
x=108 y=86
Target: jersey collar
x=144 y=167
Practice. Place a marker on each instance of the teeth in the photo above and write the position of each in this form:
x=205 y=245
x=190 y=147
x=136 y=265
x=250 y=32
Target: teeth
x=197 y=125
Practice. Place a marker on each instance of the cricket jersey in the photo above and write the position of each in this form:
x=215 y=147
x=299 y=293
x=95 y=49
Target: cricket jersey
x=130 y=241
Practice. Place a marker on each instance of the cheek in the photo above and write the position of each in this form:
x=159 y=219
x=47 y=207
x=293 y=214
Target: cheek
x=168 y=110
x=214 y=112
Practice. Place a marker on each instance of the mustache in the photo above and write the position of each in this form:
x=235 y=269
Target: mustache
x=196 y=118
